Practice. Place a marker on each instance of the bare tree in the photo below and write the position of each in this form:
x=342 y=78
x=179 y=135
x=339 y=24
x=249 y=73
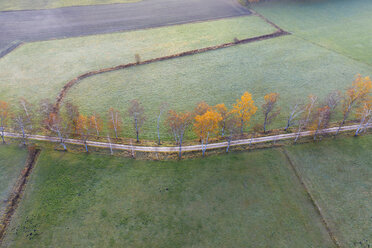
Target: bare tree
x=56 y=124
x=321 y=120
x=115 y=121
x=163 y=107
x=231 y=128
x=21 y=123
x=28 y=109
x=296 y=110
x=303 y=123
x=137 y=112
x=268 y=109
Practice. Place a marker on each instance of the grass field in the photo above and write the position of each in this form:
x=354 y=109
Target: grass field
x=240 y=200
x=339 y=174
x=39 y=70
x=342 y=26
x=287 y=65
x=49 y=4
x=12 y=161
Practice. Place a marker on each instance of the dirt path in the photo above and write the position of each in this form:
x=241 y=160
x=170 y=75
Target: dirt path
x=18 y=190
x=171 y=149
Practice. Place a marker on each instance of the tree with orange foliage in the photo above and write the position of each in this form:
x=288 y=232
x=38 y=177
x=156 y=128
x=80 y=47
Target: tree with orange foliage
x=365 y=115
x=321 y=120
x=178 y=124
x=201 y=108
x=268 y=109
x=95 y=123
x=359 y=90
x=82 y=129
x=4 y=112
x=55 y=124
x=206 y=125
x=244 y=109
x=114 y=121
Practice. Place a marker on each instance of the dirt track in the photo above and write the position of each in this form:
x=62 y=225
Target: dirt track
x=184 y=148
x=36 y=25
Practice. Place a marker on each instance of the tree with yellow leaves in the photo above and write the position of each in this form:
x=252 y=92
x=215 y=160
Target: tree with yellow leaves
x=364 y=113
x=95 y=123
x=206 y=125
x=268 y=109
x=244 y=109
x=359 y=90
x=4 y=112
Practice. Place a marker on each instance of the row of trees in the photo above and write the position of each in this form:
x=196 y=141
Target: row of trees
x=206 y=121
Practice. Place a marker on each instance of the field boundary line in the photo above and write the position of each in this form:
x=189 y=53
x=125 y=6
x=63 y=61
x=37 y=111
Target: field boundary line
x=312 y=199
x=74 y=81
x=14 y=45
x=18 y=189
x=191 y=148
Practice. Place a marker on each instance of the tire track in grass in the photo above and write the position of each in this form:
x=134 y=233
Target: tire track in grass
x=18 y=190
x=312 y=199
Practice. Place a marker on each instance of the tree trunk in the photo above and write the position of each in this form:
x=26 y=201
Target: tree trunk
x=108 y=138
x=265 y=122
x=241 y=127
x=228 y=144
x=158 y=123
x=180 y=148
x=86 y=146
x=137 y=130
x=2 y=132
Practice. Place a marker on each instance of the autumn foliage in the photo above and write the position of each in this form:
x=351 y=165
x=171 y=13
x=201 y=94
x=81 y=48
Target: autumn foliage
x=244 y=108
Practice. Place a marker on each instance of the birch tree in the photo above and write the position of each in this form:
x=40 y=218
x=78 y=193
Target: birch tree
x=321 y=119
x=231 y=123
x=178 y=123
x=56 y=124
x=137 y=112
x=83 y=130
x=222 y=110
x=22 y=124
x=114 y=121
x=95 y=123
x=268 y=109
x=245 y=109
x=359 y=90
x=4 y=114
x=295 y=111
x=207 y=125
x=364 y=113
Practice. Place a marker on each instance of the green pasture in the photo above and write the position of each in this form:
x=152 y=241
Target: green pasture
x=338 y=174
x=12 y=161
x=50 y=4
x=240 y=200
x=339 y=25
x=40 y=70
x=287 y=65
